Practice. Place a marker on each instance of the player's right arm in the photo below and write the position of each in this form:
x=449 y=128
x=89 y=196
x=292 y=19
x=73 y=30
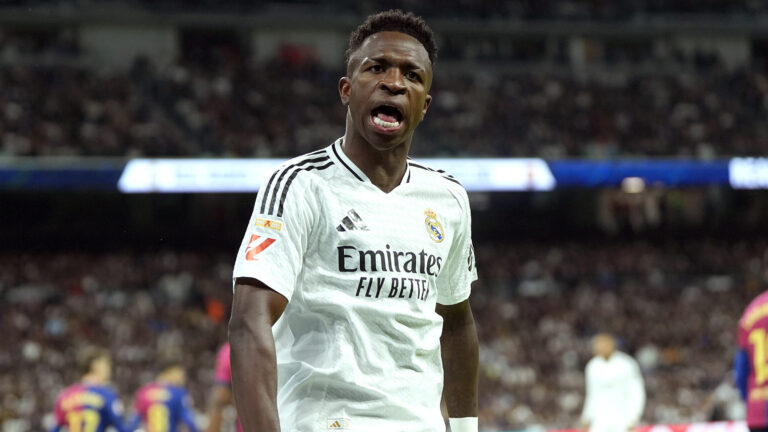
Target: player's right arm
x=255 y=309
x=589 y=398
x=265 y=275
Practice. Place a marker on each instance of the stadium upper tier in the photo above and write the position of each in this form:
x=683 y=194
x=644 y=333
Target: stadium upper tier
x=283 y=109
x=525 y=9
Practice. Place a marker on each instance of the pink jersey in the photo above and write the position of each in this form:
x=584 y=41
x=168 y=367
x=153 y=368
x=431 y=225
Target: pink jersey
x=223 y=372
x=753 y=339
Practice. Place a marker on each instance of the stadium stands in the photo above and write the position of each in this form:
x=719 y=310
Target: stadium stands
x=675 y=307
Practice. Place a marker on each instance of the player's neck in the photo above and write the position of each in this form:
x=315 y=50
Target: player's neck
x=92 y=379
x=385 y=168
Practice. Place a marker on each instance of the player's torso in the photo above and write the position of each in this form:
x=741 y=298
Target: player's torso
x=363 y=314
x=753 y=337
x=158 y=408
x=84 y=408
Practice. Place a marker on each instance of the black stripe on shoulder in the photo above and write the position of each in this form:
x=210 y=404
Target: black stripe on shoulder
x=290 y=180
x=284 y=172
x=345 y=164
x=265 y=193
x=442 y=173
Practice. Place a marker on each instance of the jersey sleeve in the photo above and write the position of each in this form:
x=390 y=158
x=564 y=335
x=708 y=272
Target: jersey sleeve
x=187 y=415
x=276 y=238
x=455 y=279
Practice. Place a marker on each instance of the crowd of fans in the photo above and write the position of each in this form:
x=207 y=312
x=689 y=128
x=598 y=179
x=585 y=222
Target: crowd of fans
x=290 y=106
x=499 y=9
x=674 y=307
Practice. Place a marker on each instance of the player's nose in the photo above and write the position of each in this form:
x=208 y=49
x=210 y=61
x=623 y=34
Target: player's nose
x=393 y=81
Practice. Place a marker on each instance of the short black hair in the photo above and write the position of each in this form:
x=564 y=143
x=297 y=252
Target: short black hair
x=398 y=21
x=88 y=356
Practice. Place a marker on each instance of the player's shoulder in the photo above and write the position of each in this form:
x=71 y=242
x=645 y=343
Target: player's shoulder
x=316 y=161
x=437 y=179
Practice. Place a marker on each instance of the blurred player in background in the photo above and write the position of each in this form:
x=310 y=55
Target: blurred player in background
x=752 y=362
x=222 y=392
x=90 y=405
x=161 y=406
x=615 y=396
x=366 y=259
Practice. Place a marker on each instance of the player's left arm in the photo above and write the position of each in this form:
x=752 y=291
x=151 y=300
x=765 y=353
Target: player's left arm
x=187 y=414
x=637 y=393
x=458 y=342
x=741 y=371
x=460 y=359
x=114 y=414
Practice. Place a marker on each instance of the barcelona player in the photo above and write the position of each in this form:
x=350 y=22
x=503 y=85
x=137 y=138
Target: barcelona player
x=222 y=394
x=90 y=405
x=752 y=362
x=164 y=404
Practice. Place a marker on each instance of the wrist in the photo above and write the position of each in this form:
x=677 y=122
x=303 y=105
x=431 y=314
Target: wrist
x=463 y=424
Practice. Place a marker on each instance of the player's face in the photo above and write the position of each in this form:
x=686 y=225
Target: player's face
x=386 y=89
x=604 y=346
x=102 y=367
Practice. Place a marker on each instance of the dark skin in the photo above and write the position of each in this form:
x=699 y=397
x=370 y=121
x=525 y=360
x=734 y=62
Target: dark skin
x=389 y=68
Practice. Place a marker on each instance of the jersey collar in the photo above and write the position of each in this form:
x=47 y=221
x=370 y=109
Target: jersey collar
x=337 y=153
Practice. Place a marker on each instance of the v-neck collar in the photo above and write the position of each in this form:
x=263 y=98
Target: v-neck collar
x=336 y=151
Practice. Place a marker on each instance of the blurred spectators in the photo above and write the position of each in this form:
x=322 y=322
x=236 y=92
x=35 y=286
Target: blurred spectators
x=289 y=106
x=674 y=307
x=530 y=9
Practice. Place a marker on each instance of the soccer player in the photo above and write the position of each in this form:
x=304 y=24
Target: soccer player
x=164 y=404
x=222 y=393
x=351 y=299
x=615 y=392
x=90 y=406
x=752 y=362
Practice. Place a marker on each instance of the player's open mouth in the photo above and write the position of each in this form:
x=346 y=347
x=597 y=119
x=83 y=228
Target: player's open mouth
x=386 y=118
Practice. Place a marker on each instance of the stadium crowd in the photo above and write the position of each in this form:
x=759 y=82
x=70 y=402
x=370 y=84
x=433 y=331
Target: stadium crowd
x=674 y=306
x=230 y=107
x=498 y=9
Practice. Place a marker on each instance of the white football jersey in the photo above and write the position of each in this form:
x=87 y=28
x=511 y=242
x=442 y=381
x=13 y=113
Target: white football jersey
x=358 y=346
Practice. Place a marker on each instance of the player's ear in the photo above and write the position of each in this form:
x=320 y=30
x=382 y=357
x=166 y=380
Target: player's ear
x=344 y=87
x=427 y=102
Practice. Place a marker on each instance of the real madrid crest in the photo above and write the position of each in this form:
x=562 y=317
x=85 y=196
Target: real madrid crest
x=434 y=229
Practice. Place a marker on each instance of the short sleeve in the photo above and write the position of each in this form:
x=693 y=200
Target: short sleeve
x=276 y=238
x=455 y=279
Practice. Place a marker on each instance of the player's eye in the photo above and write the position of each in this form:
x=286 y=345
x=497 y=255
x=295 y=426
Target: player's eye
x=411 y=75
x=376 y=68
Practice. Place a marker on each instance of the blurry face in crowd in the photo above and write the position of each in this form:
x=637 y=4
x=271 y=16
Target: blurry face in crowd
x=604 y=345
x=387 y=88
x=175 y=376
x=102 y=368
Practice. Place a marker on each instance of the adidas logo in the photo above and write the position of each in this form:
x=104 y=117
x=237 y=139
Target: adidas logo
x=337 y=424
x=352 y=221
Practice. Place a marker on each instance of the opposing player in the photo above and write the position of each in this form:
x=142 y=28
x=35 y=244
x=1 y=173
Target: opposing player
x=90 y=405
x=354 y=274
x=752 y=362
x=615 y=391
x=222 y=392
x=163 y=405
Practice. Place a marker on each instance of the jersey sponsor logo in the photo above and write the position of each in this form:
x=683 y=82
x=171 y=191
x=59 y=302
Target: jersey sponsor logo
x=268 y=223
x=351 y=222
x=337 y=424
x=257 y=246
x=434 y=228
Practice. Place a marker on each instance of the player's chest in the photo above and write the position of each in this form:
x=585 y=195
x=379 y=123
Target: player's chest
x=399 y=221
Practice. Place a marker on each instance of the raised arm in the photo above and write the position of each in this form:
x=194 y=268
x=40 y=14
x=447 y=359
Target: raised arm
x=255 y=309
x=460 y=358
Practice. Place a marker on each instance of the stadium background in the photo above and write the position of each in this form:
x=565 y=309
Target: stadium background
x=664 y=260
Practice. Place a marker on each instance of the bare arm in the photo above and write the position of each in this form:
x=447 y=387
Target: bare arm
x=459 y=352
x=255 y=309
x=222 y=397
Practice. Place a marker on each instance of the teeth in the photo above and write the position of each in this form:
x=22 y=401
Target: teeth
x=385 y=124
